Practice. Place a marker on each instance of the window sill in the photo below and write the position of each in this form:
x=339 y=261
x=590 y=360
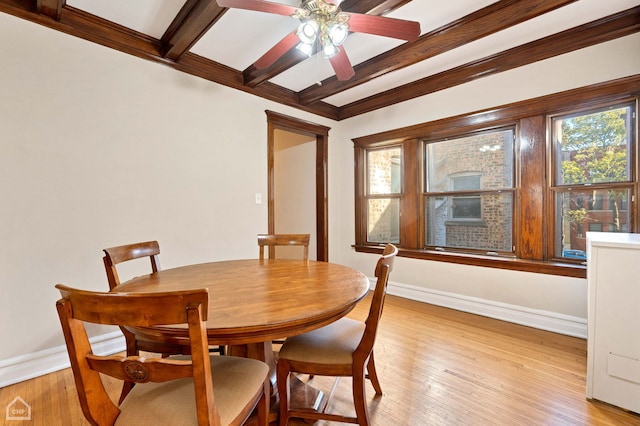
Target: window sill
x=465 y=222
x=565 y=269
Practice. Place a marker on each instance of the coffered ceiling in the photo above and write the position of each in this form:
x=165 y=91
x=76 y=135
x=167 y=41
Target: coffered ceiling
x=461 y=40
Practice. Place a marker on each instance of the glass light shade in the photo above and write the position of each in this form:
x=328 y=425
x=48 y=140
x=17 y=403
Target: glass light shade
x=338 y=33
x=305 y=48
x=329 y=49
x=308 y=31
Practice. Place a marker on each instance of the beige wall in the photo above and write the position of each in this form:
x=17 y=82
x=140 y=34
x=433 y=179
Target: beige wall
x=98 y=148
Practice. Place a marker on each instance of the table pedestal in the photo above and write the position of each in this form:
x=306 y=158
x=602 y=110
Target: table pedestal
x=302 y=396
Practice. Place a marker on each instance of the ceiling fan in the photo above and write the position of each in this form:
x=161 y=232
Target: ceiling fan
x=323 y=25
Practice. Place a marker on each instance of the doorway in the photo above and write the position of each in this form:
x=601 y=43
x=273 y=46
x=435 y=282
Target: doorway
x=307 y=139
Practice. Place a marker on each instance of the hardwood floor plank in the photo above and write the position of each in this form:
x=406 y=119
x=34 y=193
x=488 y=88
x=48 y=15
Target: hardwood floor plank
x=437 y=367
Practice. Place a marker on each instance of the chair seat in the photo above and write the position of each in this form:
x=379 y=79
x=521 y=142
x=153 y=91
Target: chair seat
x=235 y=381
x=331 y=344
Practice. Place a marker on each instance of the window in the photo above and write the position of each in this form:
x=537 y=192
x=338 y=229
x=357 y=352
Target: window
x=466 y=207
x=512 y=187
x=383 y=192
x=593 y=164
x=597 y=227
x=469 y=192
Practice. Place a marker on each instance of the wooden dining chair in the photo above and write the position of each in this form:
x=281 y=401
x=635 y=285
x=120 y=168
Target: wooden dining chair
x=343 y=348
x=120 y=254
x=273 y=240
x=127 y=252
x=200 y=389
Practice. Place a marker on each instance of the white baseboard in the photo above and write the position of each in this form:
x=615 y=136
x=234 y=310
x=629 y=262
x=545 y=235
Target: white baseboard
x=544 y=320
x=28 y=366
x=25 y=367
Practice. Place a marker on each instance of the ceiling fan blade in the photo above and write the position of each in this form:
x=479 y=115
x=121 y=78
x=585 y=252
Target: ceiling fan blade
x=383 y=26
x=341 y=65
x=260 y=6
x=282 y=47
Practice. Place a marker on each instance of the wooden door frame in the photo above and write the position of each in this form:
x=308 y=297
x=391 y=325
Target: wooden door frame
x=278 y=121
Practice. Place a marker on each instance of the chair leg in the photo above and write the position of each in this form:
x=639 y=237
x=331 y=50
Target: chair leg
x=373 y=375
x=126 y=388
x=263 y=404
x=132 y=350
x=283 y=374
x=359 y=397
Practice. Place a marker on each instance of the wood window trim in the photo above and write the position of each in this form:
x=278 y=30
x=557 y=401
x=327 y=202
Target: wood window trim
x=531 y=216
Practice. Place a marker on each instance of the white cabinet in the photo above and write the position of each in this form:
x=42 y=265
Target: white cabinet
x=613 y=347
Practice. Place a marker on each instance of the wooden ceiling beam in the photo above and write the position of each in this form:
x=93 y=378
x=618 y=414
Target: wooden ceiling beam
x=599 y=31
x=481 y=23
x=192 y=22
x=50 y=8
x=253 y=76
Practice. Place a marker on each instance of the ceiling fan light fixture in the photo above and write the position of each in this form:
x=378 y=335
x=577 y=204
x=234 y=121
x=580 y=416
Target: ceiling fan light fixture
x=323 y=26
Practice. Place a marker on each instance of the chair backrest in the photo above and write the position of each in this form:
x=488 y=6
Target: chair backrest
x=119 y=254
x=382 y=271
x=272 y=240
x=183 y=307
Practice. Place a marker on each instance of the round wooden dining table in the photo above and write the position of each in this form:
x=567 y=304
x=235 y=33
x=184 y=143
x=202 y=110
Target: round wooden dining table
x=252 y=302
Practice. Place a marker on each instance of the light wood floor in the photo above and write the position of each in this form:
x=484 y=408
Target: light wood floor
x=437 y=367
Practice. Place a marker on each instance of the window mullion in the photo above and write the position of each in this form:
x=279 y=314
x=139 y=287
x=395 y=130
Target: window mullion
x=530 y=213
x=410 y=217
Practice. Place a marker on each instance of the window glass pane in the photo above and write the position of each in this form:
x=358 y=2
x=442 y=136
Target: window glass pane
x=483 y=161
x=594 y=147
x=384 y=171
x=492 y=231
x=466 y=208
x=595 y=227
x=602 y=210
x=461 y=183
x=383 y=220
